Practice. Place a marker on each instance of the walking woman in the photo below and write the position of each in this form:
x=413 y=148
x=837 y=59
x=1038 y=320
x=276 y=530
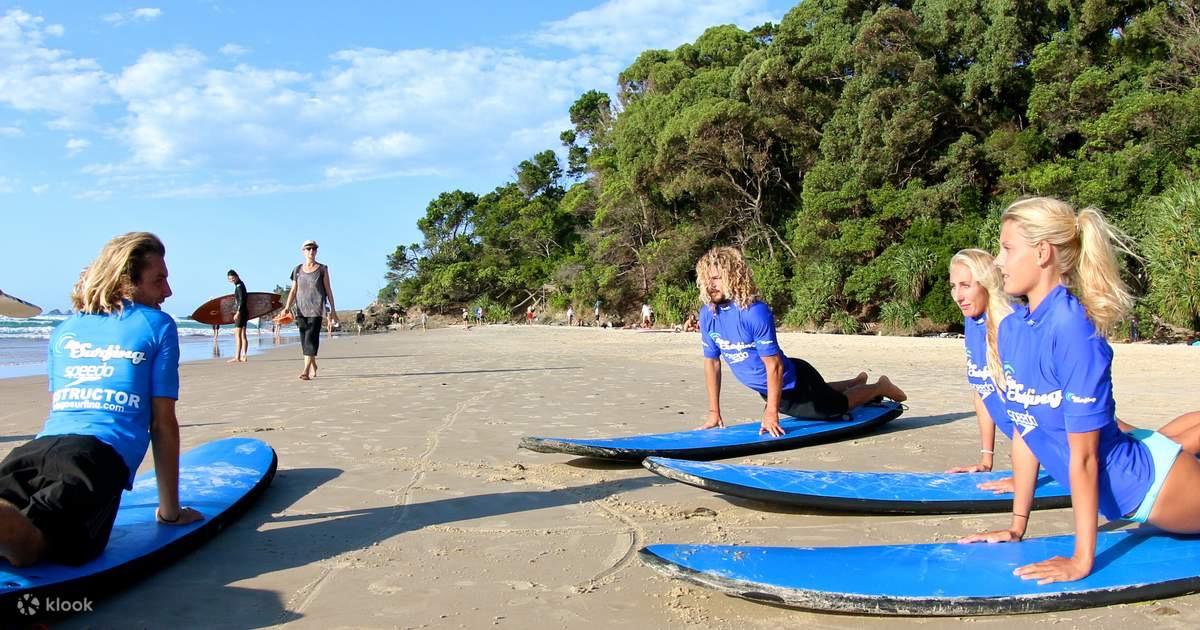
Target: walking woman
x=310 y=291
x=1058 y=388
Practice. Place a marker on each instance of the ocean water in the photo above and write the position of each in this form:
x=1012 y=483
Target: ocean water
x=23 y=342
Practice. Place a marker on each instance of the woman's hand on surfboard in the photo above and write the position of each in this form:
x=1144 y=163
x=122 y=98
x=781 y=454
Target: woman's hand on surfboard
x=1056 y=569
x=186 y=516
x=998 y=536
x=770 y=424
x=973 y=468
x=999 y=486
x=715 y=421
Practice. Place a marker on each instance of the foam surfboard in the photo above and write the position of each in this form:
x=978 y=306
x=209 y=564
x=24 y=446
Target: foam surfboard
x=943 y=579
x=732 y=441
x=219 y=311
x=220 y=479
x=11 y=306
x=860 y=492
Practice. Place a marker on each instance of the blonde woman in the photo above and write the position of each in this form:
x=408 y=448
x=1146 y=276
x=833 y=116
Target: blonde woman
x=114 y=379
x=737 y=326
x=1058 y=388
x=977 y=288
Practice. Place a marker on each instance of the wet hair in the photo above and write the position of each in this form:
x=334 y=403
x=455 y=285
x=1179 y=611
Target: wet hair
x=112 y=276
x=233 y=273
x=1085 y=247
x=999 y=305
x=736 y=281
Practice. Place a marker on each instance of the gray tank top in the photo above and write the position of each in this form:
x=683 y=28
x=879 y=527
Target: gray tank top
x=310 y=291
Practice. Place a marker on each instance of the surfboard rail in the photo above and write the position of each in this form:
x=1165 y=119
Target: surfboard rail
x=818 y=490
x=734 y=441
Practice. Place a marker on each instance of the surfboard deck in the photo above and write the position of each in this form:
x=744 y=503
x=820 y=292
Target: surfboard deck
x=858 y=492
x=11 y=306
x=220 y=479
x=732 y=441
x=942 y=579
x=219 y=311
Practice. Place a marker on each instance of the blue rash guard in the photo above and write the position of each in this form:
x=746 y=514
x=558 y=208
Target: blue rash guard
x=1059 y=373
x=742 y=337
x=105 y=371
x=980 y=377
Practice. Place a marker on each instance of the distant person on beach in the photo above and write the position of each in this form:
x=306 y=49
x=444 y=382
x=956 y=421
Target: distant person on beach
x=597 y=312
x=1059 y=392
x=359 y=320
x=114 y=380
x=424 y=320
x=691 y=324
x=241 y=315
x=465 y=315
x=570 y=315
x=529 y=315
x=311 y=289
x=479 y=315
x=646 y=313
x=1134 y=334
x=735 y=324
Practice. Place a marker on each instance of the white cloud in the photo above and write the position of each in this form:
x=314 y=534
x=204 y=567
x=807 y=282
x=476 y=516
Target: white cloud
x=39 y=189
x=95 y=195
x=7 y=185
x=35 y=77
x=136 y=15
x=11 y=132
x=77 y=145
x=625 y=28
x=234 y=50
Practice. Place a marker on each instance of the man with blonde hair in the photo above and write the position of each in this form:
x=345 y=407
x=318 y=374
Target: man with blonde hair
x=735 y=324
x=114 y=380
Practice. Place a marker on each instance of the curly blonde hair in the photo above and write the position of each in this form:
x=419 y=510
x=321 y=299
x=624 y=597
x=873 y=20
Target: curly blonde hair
x=736 y=282
x=1086 y=246
x=983 y=270
x=110 y=279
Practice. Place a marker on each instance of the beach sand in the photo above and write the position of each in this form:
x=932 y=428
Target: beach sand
x=402 y=501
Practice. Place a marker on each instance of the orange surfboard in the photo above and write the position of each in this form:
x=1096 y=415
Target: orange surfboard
x=218 y=311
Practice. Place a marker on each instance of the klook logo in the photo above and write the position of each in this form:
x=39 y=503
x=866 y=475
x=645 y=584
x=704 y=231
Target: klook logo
x=29 y=605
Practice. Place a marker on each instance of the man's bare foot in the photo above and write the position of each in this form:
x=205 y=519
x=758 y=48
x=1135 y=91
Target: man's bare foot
x=889 y=389
x=305 y=377
x=233 y=360
x=242 y=360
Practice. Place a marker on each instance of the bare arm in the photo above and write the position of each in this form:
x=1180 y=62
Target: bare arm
x=1025 y=470
x=291 y=299
x=712 y=383
x=329 y=295
x=770 y=420
x=987 y=439
x=1085 y=504
x=164 y=438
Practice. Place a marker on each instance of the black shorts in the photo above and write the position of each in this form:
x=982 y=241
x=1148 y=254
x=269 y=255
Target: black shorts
x=812 y=397
x=310 y=335
x=70 y=487
x=240 y=320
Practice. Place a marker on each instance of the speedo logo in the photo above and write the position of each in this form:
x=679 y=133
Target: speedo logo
x=87 y=373
x=80 y=350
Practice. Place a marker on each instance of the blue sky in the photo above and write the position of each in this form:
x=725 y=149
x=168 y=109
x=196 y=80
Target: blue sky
x=236 y=130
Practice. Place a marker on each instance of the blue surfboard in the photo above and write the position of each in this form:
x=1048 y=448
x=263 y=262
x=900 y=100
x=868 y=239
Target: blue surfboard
x=219 y=479
x=860 y=492
x=946 y=579
x=732 y=441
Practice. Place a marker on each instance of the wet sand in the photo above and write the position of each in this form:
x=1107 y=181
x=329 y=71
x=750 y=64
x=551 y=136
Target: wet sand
x=402 y=501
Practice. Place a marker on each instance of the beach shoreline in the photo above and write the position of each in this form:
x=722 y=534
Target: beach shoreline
x=402 y=500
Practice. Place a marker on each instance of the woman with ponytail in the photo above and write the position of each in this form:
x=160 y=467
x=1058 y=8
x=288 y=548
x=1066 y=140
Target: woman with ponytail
x=1058 y=388
x=977 y=288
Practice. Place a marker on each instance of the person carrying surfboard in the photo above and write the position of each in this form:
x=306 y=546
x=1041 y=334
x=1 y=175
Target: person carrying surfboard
x=737 y=326
x=114 y=380
x=241 y=309
x=1058 y=393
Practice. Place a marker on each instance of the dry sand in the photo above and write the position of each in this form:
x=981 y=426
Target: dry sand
x=403 y=502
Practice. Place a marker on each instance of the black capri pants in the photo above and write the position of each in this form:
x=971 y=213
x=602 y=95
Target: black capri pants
x=310 y=334
x=812 y=397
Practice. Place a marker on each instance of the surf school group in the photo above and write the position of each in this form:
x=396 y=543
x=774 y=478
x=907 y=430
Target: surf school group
x=1037 y=311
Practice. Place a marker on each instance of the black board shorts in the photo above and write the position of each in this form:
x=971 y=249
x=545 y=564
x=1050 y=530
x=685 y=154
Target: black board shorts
x=240 y=320
x=70 y=487
x=812 y=397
